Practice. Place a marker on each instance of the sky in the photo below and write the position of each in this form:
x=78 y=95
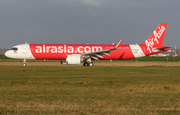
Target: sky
x=87 y=21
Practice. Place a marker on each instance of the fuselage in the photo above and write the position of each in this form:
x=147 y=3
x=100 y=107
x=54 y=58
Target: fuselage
x=60 y=51
x=77 y=53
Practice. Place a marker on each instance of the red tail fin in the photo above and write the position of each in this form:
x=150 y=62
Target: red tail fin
x=156 y=38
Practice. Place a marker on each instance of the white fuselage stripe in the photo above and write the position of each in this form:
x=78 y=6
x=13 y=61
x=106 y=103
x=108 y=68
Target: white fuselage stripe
x=137 y=51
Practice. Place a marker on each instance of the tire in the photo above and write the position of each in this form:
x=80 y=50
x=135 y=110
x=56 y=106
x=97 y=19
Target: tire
x=23 y=64
x=85 y=64
x=91 y=64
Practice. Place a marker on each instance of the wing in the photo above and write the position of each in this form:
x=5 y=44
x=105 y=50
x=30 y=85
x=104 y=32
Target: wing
x=95 y=55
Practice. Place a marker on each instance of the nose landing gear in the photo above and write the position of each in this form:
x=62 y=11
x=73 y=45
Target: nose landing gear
x=24 y=62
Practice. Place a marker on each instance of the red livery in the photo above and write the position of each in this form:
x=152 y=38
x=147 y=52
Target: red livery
x=77 y=53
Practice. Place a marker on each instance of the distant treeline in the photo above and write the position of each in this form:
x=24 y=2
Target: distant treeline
x=154 y=58
x=148 y=58
x=2 y=51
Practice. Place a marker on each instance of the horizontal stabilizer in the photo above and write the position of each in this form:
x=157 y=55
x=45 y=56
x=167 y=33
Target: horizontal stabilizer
x=161 y=48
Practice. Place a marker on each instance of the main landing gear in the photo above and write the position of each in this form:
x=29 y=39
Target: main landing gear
x=24 y=62
x=88 y=64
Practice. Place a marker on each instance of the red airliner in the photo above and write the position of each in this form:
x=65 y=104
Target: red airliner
x=77 y=53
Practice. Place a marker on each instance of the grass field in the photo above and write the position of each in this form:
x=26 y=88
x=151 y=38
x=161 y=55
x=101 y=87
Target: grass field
x=78 y=90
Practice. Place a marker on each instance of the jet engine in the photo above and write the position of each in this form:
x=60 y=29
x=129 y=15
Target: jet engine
x=72 y=59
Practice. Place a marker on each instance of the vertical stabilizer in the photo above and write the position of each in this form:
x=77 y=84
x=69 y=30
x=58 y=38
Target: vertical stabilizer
x=156 y=38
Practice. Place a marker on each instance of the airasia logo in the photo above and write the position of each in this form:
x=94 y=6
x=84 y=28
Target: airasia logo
x=157 y=35
x=66 y=49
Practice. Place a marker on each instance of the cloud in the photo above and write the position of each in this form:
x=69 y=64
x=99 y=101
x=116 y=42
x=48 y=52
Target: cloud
x=82 y=21
x=91 y=2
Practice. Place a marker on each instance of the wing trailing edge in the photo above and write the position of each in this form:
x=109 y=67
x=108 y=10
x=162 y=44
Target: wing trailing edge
x=98 y=54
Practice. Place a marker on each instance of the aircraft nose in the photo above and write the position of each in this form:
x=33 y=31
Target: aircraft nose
x=8 y=54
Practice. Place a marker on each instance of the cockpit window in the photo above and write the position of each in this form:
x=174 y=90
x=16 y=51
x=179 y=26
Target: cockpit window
x=14 y=48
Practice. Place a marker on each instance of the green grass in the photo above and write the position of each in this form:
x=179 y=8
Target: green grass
x=3 y=57
x=89 y=90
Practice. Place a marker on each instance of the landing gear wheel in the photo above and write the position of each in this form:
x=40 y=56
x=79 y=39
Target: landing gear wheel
x=85 y=64
x=23 y=64
x=91 y=64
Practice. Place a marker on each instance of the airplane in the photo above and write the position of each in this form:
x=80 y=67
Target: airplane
x=78 y=53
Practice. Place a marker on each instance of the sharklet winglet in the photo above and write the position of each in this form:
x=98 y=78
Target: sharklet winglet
x=119 y=44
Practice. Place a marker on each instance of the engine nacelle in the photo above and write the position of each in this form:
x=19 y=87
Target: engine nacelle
x=72 y=59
